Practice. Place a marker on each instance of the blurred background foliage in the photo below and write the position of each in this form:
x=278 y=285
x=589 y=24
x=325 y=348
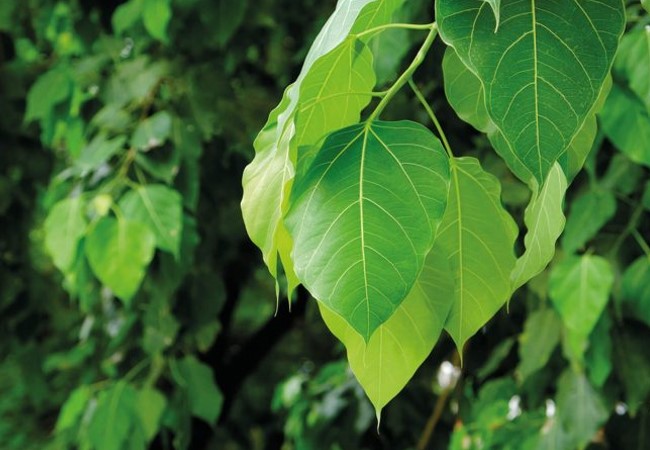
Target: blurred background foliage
x=135 y=313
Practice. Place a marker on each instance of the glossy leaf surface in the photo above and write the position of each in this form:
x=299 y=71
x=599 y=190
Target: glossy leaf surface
x=364 y=215
x=387 y=362
x=541 y=76
x=544 y=220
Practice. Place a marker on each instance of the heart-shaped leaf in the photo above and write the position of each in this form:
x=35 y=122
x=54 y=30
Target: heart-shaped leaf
x=363 y=218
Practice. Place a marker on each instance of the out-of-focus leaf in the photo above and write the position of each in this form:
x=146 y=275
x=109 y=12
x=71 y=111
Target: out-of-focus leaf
x=635 y=289
x=161 y=209
x=97 y=152
x=536 y=344
x=73 y=408
x=65 y=225
x=50 y=89
x=230 y=16
x=580 y=408
x=149 y=407
x=152 y=132
x=156 y=15
x=589 y=213
x=110 y=425
x=197 y=380
x=579 y=287
x=632 y=365
x=598 y=358
x=119 y=251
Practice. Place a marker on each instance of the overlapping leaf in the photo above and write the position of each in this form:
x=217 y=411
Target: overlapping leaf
x=267 y=180
x=541 y=72
x=385 y=363
x=544 y=220
x=363 y=218
x=477 y=237
x=589 y=213
x=64 y=227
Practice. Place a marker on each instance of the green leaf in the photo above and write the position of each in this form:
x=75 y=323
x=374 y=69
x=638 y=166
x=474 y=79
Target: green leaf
x=598 y=358
x=97 y=152
x=398 y=347
x=73 y=408
x=152 y=132
x=589 y=213
x=635 y=289
x=553 y=437
x=364 y=215
x=646 y=5
x=65 y=225
x=50 y=89
x=155 y=16
x=544 y=220
x=626 y=122
x=119 y=251
x=632 y=365
x=632 y=63
x=580 y=408
x=126 y=15
x=268 y=178
x=230 y=16
x=161 y=209
x=149 y=406
x=110 y=425
x=541 y=76
x=579 y=288
x=197 y=381
x=465 y=94
x=536 y=344
x=496 y=9
x=477 y=236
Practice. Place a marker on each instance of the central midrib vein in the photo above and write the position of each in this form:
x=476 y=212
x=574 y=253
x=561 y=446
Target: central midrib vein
x=535 y=84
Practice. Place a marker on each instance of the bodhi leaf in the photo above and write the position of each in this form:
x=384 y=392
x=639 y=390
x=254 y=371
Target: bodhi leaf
x=542 y=72
x=64 y=227
x=536 y=344
x=161 y=209
x=589 y=212
x=268 y=178
x=115 y=406
x=197 y=381
x=581 y=409
x=626 y=122
x=465 y=94
x=477 y=236
x=635 y=289
x=632 y=62
x=544 y=220
x=363 y=218
x=156 y=15
x=389 y=359
x=579 y=288
x=119 y=251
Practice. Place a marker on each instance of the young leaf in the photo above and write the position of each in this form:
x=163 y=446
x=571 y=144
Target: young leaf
x=477 y=236
x=385 y=363
x=541 y=75
x=544 y=220
x=536 y=344
x=267 y=179
x=589 y=212
x=364 y=215
x=65 y=225
x=197 y=380
x=579 y=288
x=119 y=251
x=161 y=209
x=580 y=408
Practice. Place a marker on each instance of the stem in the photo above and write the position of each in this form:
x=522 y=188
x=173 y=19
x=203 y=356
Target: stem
x=432 y=116
x=629 y=229
x=642 y=243
x=433 y=420
x=406 y=75
x=407 y=26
